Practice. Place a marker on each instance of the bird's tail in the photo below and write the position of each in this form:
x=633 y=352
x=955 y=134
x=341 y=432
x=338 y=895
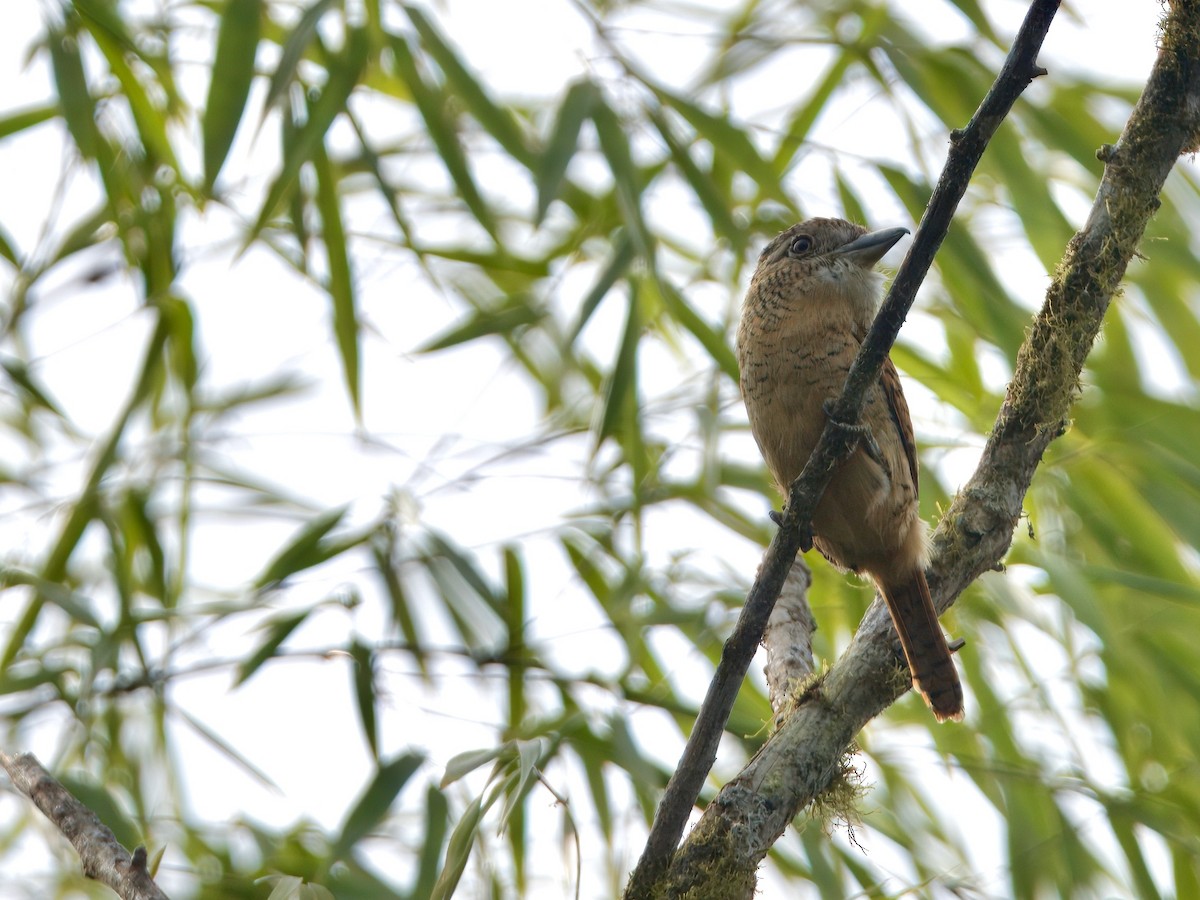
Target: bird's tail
x=929 y=661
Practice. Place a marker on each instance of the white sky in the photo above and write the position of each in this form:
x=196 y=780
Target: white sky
x=255 y=322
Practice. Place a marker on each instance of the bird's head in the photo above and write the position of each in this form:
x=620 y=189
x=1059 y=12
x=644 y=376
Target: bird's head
x=819 y=257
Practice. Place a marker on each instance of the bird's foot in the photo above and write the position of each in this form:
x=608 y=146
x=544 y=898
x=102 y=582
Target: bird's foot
x=806 y=534
x=857 y=430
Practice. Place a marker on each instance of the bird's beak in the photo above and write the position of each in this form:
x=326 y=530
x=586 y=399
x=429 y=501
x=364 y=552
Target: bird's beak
x=869 y=249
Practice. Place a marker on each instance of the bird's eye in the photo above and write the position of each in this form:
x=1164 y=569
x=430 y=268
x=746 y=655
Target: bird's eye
x=801 y=245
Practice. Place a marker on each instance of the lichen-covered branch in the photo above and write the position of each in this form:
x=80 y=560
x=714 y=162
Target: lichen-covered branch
x=803 y=757
x=101 y=854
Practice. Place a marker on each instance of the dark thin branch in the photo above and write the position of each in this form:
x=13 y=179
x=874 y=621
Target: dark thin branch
x=967 y=147
x=801 y=759
x=101 y=854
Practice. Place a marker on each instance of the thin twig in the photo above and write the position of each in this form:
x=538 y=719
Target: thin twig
x=967 y=146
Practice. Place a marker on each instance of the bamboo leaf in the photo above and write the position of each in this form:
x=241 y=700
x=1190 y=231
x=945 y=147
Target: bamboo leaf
x=373 y=804
x=618 y=265
x=516 y=313
x=575 y=109
x=305 y=550
x=277 y=632
x=344 y=73
x=341 y=278
x=458 y=851
x=615 y=145
x=25 y=119
x=710 y=338
x=293 y=51
x=621 y=387
x=75 y=100
x=496 y=120
x=229 y=85
x=363 y=660
x=717 y=204
x=442 y=131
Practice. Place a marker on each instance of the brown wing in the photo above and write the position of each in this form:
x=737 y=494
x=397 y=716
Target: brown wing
x=893 y=393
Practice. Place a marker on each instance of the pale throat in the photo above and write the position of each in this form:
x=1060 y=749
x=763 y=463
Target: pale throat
x=847 y=284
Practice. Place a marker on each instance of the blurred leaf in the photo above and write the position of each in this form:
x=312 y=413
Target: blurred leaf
x=306 y=549
x=99 y=800
x=497 y=120
x=16 y=122
x=615 y=145
x=363 y=662
x=373 y=804
x=458 y=851
x=344 y=73
x=576 y=108
x=465 y=763
x=277 y=632
x=617 y=266
x=437 y=814
x=229 y=86
x=621 y=386
x=442 y=132
x=514 y=313
x=298 y=41
x=74 y=98
x=716 y=203
x=341 y=278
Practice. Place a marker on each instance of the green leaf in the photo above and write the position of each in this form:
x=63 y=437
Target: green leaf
x=575 y=109
x=730 y=141
x=372 y=806
x=344 y=73
x=464 y=763
x=434 y=833
x=713 y=340
x=181 y=350
x=797 y=129
x=496 y=120
x=293 y=51
x=717 y=204
x=517 y=312
x=98 y=799
x=441 y=129
x=615 y=145
x=621 y=387
x=22 y=120
x=278 y=631
x=74 y=98
x=618 y=264
x=363 y=661
x=109 y=32
x=229 y=85
x=514 y=616
x=305 y=550
x=341 y=278
x=529 y=754
x=459 y=849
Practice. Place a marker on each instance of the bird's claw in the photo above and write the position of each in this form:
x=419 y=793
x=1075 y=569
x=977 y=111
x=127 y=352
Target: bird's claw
x=859 y=430
x=806 y=534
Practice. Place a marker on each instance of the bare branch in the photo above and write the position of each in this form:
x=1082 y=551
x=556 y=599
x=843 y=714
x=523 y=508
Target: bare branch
x=835 y=444
x=788 y=639
x=101 y=854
